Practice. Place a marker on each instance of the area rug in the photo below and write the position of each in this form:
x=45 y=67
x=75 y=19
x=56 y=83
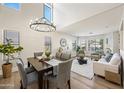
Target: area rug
x=85 y=70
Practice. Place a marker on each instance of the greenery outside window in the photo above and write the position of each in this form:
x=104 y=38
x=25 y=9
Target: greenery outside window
x=95 y=45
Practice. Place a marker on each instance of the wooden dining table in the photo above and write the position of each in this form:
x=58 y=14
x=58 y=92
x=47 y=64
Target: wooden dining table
x=41 y=68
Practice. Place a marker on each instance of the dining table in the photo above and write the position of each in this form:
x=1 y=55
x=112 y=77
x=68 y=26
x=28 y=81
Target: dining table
x=41 y=67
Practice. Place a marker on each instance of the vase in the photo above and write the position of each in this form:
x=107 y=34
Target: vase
x=7 y=68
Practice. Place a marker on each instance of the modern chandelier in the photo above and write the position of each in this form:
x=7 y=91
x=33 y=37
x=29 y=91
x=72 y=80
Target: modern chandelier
x=44 y=24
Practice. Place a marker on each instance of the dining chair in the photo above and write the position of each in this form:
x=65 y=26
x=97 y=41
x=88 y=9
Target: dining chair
x=26 y=79
x=27 y=69
x=62 y=80
x=37 y=54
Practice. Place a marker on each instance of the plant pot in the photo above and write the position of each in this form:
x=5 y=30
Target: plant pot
x=7 y=70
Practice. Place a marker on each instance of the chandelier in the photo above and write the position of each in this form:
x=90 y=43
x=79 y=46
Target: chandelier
x=42 y=25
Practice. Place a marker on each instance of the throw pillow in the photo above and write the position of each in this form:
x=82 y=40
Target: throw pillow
x=58 y=55
x=65 y=56
x=115 y=60
x=102 y=60
x=108 y=57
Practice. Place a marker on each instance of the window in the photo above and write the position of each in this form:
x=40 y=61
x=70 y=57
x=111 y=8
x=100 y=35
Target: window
x=48 y=11
x=95 y=45
x=12 y=5
x=83 y=44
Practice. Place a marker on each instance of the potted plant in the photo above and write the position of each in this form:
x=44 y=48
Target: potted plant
x=47 y=53
x=8 y=50
x=78 y=48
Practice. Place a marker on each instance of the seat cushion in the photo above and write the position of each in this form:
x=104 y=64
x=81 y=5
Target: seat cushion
x=115 y=60
x=32 y=77
x=29 y=70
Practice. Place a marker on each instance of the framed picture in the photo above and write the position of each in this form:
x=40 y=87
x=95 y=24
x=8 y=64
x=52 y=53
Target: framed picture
x=48 y=43
x=11 y=35
x=14 y=37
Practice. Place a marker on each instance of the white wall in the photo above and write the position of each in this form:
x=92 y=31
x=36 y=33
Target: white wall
x=113 y=41
x=30 y=40
x=116 y=42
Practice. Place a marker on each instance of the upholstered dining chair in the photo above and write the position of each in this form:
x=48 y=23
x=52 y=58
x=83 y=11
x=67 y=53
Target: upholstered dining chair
x=26 y=79
x=37 y=54
x=62 y=80
x=27 y=69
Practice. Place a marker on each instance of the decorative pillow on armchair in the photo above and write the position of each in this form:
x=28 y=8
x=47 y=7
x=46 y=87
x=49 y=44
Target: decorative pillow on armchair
x=115 y=60
x=58 y=55
x=108 y=57
x=65 y=56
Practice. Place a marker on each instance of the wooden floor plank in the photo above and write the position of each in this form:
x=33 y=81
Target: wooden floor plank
x=77 y=82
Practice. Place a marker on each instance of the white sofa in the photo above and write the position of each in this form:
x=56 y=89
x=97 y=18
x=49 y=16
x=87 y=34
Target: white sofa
x=99 y=67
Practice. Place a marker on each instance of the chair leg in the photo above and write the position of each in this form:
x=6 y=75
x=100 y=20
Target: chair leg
x=44 y=84
x=47 y=84
x=21 y=87
x=69 y=84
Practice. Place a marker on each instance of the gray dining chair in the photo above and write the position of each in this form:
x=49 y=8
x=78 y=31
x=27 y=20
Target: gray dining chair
x=37 y=54
x=27 y=69
x=26 y=79
x=62 y=80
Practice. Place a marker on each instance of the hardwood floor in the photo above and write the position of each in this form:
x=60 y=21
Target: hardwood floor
x=77 y=82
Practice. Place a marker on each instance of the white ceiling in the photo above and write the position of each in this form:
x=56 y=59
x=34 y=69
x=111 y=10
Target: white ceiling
x=80 y=19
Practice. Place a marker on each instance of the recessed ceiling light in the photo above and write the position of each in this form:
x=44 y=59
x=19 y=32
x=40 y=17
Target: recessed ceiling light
x=90 y=32
x=106 y=26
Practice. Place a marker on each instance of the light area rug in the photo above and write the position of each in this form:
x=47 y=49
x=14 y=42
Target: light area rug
x=85 y=70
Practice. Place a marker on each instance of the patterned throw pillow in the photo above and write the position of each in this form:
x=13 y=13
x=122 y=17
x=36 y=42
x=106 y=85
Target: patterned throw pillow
x=58 y=55
x=108 y=57
x=65 y=56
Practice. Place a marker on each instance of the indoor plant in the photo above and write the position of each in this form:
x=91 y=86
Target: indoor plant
x=8 y=50
x=78 y=48
x=47 y=53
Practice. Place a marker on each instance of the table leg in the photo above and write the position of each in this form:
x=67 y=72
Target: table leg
x=40 y=80
x=28 y=64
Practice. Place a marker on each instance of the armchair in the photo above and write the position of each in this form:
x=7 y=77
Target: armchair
x=111 y=70
x=99 y=68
